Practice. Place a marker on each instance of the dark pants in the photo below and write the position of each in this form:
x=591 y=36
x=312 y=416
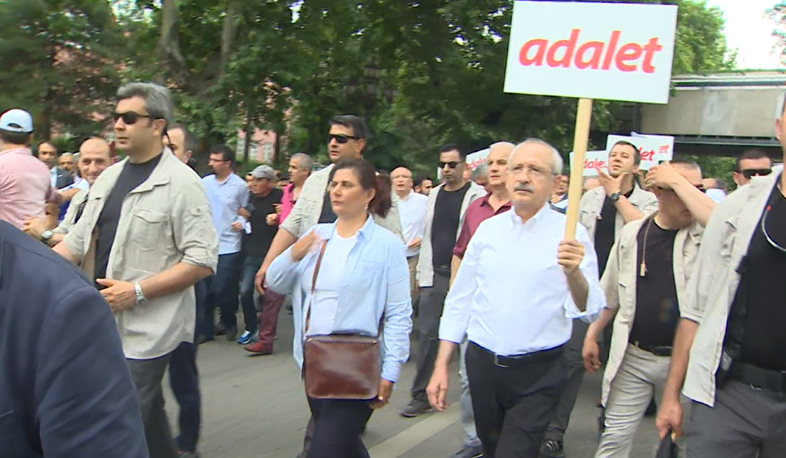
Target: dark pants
x=746 y=422
x=513 y=405
x=427 y=329
x=224 y=285
x=574 y=365
x=250 y=305
x=338 y=425
x=205 y=326
x=147 y=375
x=184 y=379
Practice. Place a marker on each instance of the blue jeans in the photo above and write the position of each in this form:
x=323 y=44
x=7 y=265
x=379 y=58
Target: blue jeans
x=251 y=265
x=223 y=288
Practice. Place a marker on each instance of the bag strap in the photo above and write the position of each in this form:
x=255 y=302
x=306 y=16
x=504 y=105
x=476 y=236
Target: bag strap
x=314 y=286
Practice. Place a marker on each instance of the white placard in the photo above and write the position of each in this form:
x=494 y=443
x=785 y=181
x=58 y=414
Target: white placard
x=593 y=160
x=477 y=158
x=653 y=148
x=612 y=51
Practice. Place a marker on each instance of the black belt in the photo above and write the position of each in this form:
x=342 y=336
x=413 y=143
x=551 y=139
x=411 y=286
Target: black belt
x=655 y=350
x=757 y=377
x=515 y=360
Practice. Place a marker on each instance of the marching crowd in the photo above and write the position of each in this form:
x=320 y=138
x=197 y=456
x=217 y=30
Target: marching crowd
x=668 y=282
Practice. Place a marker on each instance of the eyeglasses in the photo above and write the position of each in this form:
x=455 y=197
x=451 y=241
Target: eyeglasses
x=451 y=164
x=340 y=138
x=129 y=117
x=530 y=170
x=772 y=242
x=750 y=173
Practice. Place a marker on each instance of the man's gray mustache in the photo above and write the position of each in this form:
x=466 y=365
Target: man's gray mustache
x=523 y=187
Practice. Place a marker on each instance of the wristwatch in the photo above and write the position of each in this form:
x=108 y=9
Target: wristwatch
x=140 y=296
x=615 y=197
x=46 y=236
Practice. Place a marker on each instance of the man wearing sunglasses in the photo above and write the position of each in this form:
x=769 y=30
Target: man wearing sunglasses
x=145 y=237
x=346 y=139
x=751 y=163
x=645 y=284
x=447 y=206
x=729 y=347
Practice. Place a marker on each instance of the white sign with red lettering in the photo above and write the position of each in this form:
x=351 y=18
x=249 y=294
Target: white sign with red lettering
x=653 y=148
x=477 y=158
x=611 y=51
x=592 y=161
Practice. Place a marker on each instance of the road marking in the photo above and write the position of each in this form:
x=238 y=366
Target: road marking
x=416 y=434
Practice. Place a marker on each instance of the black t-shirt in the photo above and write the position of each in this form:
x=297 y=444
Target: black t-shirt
x=605 y=232
x=657 y=308
x=130 y=177
x=257 y=243
x=764 y=340
x=327 y=215
x=444 y=227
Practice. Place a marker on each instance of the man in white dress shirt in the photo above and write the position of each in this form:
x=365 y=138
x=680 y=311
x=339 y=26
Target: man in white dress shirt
x=516 y=334
x=412 y=209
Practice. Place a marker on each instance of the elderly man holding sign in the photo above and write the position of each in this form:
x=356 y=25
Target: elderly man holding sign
x=516 y=335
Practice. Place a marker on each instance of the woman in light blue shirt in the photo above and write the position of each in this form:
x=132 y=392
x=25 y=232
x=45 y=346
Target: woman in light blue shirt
x=363 y=276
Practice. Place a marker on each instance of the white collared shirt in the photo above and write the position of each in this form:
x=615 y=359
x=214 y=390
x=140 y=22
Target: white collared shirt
x=412 y=211
x=510 y=296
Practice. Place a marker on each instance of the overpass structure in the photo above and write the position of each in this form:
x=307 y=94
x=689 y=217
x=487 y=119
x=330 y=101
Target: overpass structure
x=720 y=114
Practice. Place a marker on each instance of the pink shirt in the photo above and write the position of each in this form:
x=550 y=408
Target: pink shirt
x=287 y=202
x=25 y=186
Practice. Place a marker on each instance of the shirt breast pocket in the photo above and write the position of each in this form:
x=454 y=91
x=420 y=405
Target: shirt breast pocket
x=368 y=275
x=147 y=228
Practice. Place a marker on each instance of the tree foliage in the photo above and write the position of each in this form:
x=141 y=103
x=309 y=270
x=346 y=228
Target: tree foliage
x=420 y=73
x=57 y=61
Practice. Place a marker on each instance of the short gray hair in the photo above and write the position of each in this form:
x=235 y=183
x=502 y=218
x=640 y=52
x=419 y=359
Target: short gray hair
x=158 y=100
x=507 y=145
x=481 y=170
x=556 y=159
x=304 y=161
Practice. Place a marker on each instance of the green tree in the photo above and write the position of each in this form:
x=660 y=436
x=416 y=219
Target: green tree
x=58 y=62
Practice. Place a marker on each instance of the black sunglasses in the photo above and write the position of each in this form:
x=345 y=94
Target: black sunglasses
x=451 y=164
x=129 y=117
x=750 y=173
x=340 y=138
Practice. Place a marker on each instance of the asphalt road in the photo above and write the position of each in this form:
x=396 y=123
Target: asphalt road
x=256 y=407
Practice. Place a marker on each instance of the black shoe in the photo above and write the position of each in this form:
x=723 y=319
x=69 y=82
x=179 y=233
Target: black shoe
x=469 y=451
x=203 y=338
x=221 y=329
x=652 y=409
x=231 y=333
x=552 y=449
x=416 y=407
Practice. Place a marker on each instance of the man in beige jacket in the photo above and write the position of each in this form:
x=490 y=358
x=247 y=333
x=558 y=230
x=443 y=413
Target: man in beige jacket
x=146 y=237
x=729 y=347
x=645 y=283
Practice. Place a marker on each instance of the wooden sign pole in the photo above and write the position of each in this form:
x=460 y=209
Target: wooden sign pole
x=580 y=141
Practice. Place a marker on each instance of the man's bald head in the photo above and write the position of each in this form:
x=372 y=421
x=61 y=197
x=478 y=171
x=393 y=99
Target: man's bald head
x=401 y=179
x=94 y=158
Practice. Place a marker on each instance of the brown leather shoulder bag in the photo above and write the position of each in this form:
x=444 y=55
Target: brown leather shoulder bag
x=339 y=366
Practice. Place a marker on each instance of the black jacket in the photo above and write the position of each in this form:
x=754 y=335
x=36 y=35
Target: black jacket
x=64 y=384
